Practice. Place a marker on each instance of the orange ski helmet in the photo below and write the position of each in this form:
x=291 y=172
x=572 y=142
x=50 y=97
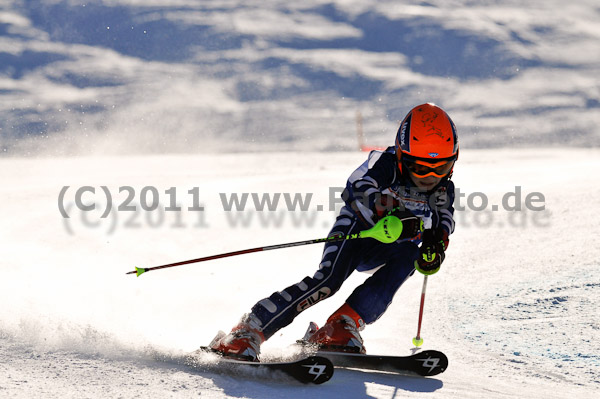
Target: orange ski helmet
x=426 y=142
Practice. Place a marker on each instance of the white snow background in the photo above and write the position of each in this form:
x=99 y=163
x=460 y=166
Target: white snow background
x=261 y=97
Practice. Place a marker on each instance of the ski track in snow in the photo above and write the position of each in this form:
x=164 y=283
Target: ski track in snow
x=514 y=306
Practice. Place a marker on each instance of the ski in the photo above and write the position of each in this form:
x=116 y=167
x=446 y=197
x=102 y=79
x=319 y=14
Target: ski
x=427 y=363
x=312 y=369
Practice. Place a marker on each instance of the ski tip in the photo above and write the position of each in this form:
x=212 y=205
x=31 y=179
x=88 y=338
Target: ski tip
x=315 y=370
x=432 y=363
x=417 y=342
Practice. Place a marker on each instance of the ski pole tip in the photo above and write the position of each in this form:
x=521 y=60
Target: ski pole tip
x=417 y=341
x=139 y=271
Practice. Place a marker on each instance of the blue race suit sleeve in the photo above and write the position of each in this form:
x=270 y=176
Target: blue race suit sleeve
x=364 y=186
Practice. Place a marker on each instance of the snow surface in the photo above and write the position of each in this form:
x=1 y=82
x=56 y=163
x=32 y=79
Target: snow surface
x=123 y=76
x=514 y=306
x=261 y=97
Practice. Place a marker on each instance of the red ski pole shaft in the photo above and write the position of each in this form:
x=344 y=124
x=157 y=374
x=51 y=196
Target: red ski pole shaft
x=418 y=341
x=140 y=270
x=386 y=230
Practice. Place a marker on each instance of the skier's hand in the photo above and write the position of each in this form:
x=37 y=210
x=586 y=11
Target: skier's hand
x=432 y=251
x=412 y=226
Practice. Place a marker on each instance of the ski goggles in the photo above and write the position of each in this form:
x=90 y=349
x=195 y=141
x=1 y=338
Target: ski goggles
x=425 y=168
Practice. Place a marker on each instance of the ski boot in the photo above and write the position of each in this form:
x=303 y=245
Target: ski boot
x=243 y=342
x=339 y=334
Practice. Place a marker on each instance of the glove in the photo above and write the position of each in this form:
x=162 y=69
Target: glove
x=412 y=226
x=432 y=251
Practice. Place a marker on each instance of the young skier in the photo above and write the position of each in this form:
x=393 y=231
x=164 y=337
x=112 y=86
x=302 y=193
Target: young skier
x=410 y=180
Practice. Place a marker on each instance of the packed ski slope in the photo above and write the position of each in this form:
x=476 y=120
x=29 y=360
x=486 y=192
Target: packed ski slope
x=514 y=306
x=261 y=97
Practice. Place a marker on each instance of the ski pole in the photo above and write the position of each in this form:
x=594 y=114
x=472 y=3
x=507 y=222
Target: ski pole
x=386 y=230
x=418 y=341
